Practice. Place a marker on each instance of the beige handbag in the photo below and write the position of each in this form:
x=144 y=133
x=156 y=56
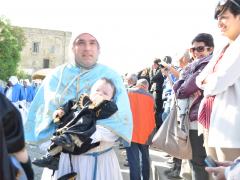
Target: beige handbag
x=171 y=138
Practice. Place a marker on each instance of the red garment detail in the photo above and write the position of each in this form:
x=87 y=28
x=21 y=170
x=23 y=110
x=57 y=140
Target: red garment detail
x=205 y=112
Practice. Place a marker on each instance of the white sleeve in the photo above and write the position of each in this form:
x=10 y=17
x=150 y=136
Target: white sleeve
x=202 y=76
x=103 y=134
x=233 y=171
x=208 y=69
x=227 y=73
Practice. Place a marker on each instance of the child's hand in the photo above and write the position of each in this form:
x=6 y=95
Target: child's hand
x=98 y=99
x=57 y=115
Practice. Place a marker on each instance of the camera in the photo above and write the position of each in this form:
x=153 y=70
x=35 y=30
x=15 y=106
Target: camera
x=161 y=66
x=166 y=59
x=158 y=61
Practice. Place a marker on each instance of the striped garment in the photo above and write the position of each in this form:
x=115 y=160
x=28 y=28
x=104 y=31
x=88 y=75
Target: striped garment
x=205 y=113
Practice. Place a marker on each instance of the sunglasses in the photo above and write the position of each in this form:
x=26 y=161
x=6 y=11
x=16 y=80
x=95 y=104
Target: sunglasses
x=223 y=2
x=199 y=48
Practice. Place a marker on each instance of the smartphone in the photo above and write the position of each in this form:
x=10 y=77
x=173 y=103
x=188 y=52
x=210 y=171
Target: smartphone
x=210 y=162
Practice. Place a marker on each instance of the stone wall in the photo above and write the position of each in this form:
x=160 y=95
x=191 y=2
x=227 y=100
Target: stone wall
x=51 y=46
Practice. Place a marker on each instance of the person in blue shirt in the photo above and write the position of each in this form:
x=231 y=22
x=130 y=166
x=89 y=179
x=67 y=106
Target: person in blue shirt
x=1 y=89
x=29 y=92
x=15 y=92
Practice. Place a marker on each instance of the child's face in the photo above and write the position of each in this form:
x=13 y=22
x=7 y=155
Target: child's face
x=103 y=89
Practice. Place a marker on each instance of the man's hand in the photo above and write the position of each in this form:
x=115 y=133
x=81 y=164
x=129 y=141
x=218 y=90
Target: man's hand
x=164 y=64
x=218 y=172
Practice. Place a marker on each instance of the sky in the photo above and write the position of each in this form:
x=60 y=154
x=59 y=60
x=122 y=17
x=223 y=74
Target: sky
x=131 y=33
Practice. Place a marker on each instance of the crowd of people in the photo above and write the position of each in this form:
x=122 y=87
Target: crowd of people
x=20 y=93
x=83 y=108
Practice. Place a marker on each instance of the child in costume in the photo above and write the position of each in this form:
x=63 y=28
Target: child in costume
x=76 y=123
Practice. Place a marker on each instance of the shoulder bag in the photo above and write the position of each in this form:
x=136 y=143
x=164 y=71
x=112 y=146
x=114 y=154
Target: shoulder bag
x=173 y=139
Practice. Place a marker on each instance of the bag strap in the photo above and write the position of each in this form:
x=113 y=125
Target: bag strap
x=70 y=159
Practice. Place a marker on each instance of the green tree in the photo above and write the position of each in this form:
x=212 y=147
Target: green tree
x=11 y=42
x=23 y=75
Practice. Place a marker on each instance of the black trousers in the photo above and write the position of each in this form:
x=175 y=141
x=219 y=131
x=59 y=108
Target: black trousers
x=199 y=154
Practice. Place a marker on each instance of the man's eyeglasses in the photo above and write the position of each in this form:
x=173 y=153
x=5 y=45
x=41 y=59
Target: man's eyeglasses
x=223 y=2
x=199 y=48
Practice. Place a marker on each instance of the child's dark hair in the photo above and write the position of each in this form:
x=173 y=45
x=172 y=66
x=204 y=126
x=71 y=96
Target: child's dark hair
x=109 y=81
x=204 y=37
x=232 y=5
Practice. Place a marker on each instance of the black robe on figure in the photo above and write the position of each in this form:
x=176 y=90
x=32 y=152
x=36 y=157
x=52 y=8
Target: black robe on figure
x=11 y=137
x=82 y=123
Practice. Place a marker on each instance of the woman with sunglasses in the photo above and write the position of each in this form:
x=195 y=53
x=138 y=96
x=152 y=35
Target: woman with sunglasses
x=220 y=80
x=187 y=90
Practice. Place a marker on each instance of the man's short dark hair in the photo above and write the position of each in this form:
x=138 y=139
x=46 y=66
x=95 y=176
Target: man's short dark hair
x=157 y=61
x=204 y=37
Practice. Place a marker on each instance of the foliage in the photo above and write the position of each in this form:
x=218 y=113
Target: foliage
x=11 y=42
x=23 y=75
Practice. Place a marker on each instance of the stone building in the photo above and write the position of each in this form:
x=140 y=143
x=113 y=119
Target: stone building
x=44 y=49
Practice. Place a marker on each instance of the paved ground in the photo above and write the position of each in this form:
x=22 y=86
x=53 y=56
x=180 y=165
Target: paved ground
x=158 y=163
x=35 y=152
